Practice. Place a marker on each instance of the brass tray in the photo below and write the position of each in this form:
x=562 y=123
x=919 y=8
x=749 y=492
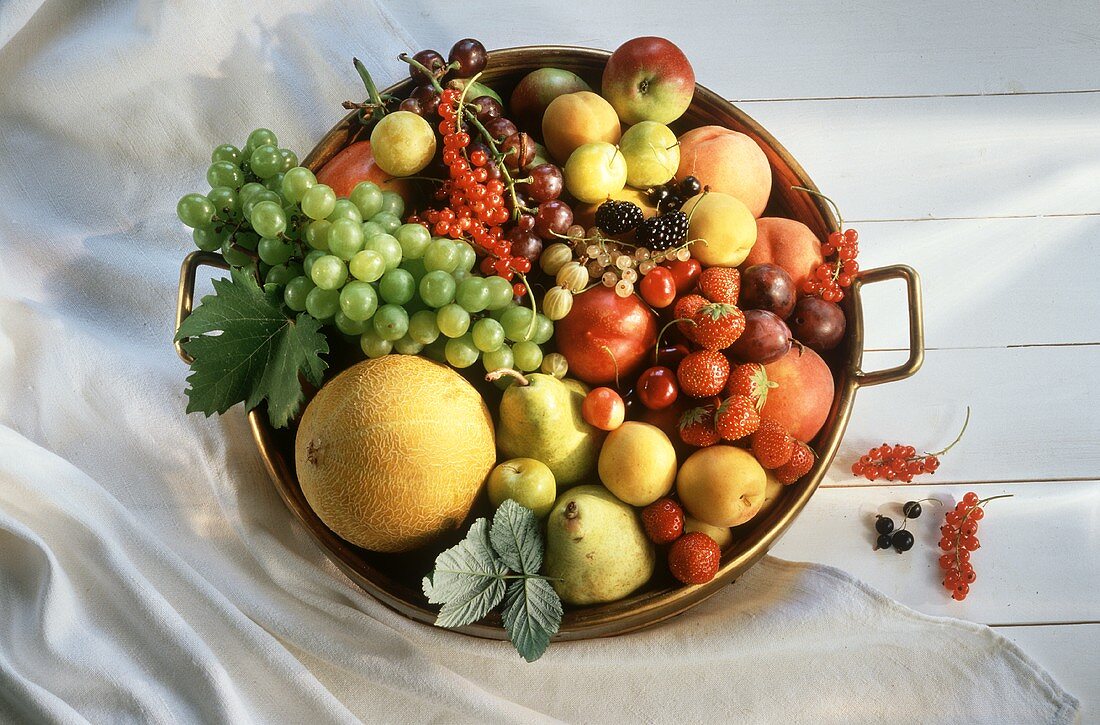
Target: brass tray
x=394 y=579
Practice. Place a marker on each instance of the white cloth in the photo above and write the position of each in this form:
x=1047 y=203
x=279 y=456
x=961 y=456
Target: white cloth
x=148 y=570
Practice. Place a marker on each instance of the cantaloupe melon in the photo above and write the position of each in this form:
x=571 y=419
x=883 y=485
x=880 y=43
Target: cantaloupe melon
x=392 y=452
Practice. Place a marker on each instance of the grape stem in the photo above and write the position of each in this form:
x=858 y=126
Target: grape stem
x=507 y=372
x=534 y=308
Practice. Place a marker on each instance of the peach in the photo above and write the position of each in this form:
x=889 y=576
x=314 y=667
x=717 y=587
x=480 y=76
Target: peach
x=724 y=227
x=575 y=119
x=729 y=162
x=585 y=214
x=787 y=243
x=354 y=164
x=804 y=395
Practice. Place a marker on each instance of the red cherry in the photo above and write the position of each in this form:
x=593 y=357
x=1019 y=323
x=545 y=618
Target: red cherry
x=685 y=273
x=603 y=408
x=671 y=355
x=657 y=388
x=658 y=288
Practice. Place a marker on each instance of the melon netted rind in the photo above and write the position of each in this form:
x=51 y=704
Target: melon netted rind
x=392 y=452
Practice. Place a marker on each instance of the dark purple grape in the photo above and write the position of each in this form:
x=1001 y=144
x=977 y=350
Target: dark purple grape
x=766 y=338
x=411 y=105
x=500 y=128
x=525 y=244
x=428 y=98
x=526 y=222
x=768 y=287
x=430 y=59
x=486 y=108
x=817 y=324
x=546 y=182
x=469 y=56
x=518 y=150
x=552 y=219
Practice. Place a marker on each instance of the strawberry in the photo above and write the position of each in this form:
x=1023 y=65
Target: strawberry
x=717 y=325
x=694 y=558
x=697 y=428
x=752 y=380
x=720 y=284
x=663 y=521
x=802 y=460
x=685 y=310
x=702 y=373
x=772 y=445
x=736 y=417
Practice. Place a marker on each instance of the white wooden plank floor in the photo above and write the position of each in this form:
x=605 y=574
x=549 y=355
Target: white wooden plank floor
x=962 y=139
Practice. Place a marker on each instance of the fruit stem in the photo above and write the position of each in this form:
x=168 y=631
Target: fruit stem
x=957 y=438
x=423 y=69
x=614 y=362
x=487 y=137
x=993 y=498
x=534 y=308
x=839 y=218
x=372 y=90
x=502 y=372
x=657 y=347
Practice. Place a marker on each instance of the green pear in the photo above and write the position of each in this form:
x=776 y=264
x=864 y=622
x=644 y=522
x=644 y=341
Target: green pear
x=540 y=418
x=596 y=549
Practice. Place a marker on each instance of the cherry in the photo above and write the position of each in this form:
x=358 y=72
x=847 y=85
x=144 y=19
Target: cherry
x=685 y=273
x=658 y=288
x=603 y=408
x=657 y=388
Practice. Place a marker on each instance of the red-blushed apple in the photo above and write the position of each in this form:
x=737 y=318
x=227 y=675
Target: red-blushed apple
x=648 y=79
x=354 y=164
x=534 y=93
x=804 y=394
x=605 y=336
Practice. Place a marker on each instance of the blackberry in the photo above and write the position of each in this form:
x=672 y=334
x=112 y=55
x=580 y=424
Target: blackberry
x=663 y=232
x=670 y=203
x=616 y=217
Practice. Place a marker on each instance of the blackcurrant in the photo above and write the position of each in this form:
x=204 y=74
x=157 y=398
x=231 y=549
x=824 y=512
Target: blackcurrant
x=884 y=525
x=903 y=540
x=911 y=509
x=883 y=542
x=690 y=186
x=656 y=196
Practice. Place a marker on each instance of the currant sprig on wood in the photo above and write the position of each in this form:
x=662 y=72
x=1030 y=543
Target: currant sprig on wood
x=901 y=463
x=960 y=538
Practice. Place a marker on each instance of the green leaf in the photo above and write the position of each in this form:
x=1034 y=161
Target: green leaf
x=257 y=353
x=516 y=539
x=468 y=579
x=532 y=614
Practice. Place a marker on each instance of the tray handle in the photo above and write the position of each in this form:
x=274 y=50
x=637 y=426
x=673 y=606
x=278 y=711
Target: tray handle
x=916 y=322
x=186 y=296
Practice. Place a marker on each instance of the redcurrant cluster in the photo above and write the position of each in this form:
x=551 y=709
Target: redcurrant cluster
x=901 y=463
x=838 y=269
x=960 y=538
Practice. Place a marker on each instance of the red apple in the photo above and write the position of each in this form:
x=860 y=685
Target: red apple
x=804 y=395
x=603 y=331
x=354 y=164
x=648 y=79
x=534 y=93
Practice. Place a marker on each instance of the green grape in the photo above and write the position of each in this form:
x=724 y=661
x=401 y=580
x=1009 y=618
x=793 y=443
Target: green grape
x=290 y=159
x=322 y=303
x=344 y=209
x=367 y=265
x=195 y=210
x=388 y=247
x=225 y=173
x=423 y=328
x=207 y=239
x=407 y=346
x=441 y=254
x=472 y=294
x=499 y=314
x=387 y=221
x=296 y=182
x=265 y=161
x=372 y=229
x=397 y=286
x=437 y=350
x=368 y=197
x=226 y=152
x=274 y=251
x=259 y=197
x=415 y=267
x=275 y=183
x=500 y=292
x=544 y=330
x=517 y=323
x=261 y=137
x=391 y=322
x=460 y=275
x=437 y=288
x=453 y=321
x=349 y=326
x=414 y=239
x=374 y=346
x=268 y=219
x=329 y=272
x=392 y=203
x=225 y=200
x=234 y=257
x=296 y=292
x=318 y=201
x=467 y=257
x=502 y=357
x=246 y=192
x=311 y=257
x=345 y=238
x=247 y=239
x=316 y=234
x=280 y=274
x=358 y=300
x=461 y=352
x=488 y=334
x=528 y=356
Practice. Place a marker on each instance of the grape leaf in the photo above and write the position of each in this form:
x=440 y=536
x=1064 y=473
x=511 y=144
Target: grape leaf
x=532 y=614
x=468 y=579
x=257 y=353
x=516 y=539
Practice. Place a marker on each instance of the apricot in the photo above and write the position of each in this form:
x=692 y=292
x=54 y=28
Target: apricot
x=576 y=119
x=729 y=162
x=804 y=395
x=787 y=243
x=724 y=227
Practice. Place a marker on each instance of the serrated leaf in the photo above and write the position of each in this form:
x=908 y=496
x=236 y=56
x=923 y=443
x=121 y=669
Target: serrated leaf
x=257 y=354
x=467 y=580
x=532 y=614
x=516 y=539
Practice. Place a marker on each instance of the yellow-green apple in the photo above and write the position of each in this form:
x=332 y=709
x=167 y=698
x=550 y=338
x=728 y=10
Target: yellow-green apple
x=804 y=394
x=537 y=89
x=528 y=482
x=651 y=152
x=724 y=228
x=729 y=162
x=574 y=119
x=649 y=79
x=788 y=244
x=595 y=171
